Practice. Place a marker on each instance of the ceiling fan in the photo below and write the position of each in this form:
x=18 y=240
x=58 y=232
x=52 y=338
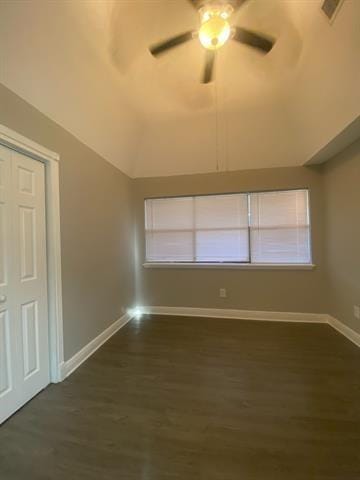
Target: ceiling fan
x=214 y=31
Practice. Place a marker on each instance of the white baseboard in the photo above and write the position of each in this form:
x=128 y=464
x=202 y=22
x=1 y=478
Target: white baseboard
x=348 y=332
x=68 y=367
x=256 y=315
x=62 y=373
x=71 y=365
x=238 y=314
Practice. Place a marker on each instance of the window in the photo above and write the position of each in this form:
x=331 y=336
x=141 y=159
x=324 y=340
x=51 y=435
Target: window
x=256 y=228
x=280 y=227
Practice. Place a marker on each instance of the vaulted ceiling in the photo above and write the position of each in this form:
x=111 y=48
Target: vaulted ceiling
x=86 y=65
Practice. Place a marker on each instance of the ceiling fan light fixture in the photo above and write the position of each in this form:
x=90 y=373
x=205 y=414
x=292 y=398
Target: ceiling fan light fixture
x=214 y=33
x=215 y=30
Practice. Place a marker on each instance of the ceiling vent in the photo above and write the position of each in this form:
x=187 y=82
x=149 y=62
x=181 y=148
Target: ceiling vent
x=331 y=8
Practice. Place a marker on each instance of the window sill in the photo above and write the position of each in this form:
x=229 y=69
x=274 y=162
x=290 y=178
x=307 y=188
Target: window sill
x=240 y=266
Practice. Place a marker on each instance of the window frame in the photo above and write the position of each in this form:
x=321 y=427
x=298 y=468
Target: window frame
x=247 y=265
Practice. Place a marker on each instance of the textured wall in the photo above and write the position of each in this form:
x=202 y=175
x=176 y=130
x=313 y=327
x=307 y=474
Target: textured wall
x=342 y=232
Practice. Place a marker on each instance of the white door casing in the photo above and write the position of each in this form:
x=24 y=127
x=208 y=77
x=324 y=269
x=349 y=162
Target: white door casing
x=51 y=161
x=24 y=344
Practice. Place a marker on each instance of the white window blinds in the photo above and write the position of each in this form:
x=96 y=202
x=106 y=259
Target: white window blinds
x=269 y=227
x=169 y=230
x=210 y=228
x=221 y=228
x=280 y=227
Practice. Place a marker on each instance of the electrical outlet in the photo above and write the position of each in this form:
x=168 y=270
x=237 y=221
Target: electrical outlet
x=222 y=293
x=357 y=311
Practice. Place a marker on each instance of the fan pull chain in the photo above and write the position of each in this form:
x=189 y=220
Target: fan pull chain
x=226 y=131
x=216 y=127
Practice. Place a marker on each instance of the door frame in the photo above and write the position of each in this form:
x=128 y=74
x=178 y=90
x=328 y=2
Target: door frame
x=21 y=144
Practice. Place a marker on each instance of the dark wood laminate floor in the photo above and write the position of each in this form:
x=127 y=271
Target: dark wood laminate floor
x=178 y=398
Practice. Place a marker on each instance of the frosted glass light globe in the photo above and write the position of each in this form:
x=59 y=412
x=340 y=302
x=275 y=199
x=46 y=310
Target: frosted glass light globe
x=214 y=33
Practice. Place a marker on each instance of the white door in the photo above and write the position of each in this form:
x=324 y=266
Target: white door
x=24 y=348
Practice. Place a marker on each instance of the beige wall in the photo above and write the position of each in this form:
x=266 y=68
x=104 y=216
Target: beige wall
x=277 y=290
x=342 y=232
x=96 y=226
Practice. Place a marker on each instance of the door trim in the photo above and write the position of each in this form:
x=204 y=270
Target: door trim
x=50 y=159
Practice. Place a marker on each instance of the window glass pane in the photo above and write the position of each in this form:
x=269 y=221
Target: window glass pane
x=169 y=213
x=221 y=211
x=285 y=245
x=169 y=246
x=222 y=246
x=280 y=230
x=221 y=228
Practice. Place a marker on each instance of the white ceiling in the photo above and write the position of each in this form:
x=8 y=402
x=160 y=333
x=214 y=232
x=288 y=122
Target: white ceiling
x=86 y=65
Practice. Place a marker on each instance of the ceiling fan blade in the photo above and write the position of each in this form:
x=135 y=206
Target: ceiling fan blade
x=252 y=39
x=209 y=66
x=170 y=43
x=236 y=4
x=197 y=3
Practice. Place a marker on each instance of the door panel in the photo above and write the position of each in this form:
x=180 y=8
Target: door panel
x=4 y=220
x=3 y=275
x=9 y=354
x=5 y=363
x=24 y=348
x=30 y=328
x=27 y=242
x=30 y=271
x=26 y=181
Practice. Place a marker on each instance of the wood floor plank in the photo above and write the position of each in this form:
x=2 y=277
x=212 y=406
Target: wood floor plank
x=182 y=398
